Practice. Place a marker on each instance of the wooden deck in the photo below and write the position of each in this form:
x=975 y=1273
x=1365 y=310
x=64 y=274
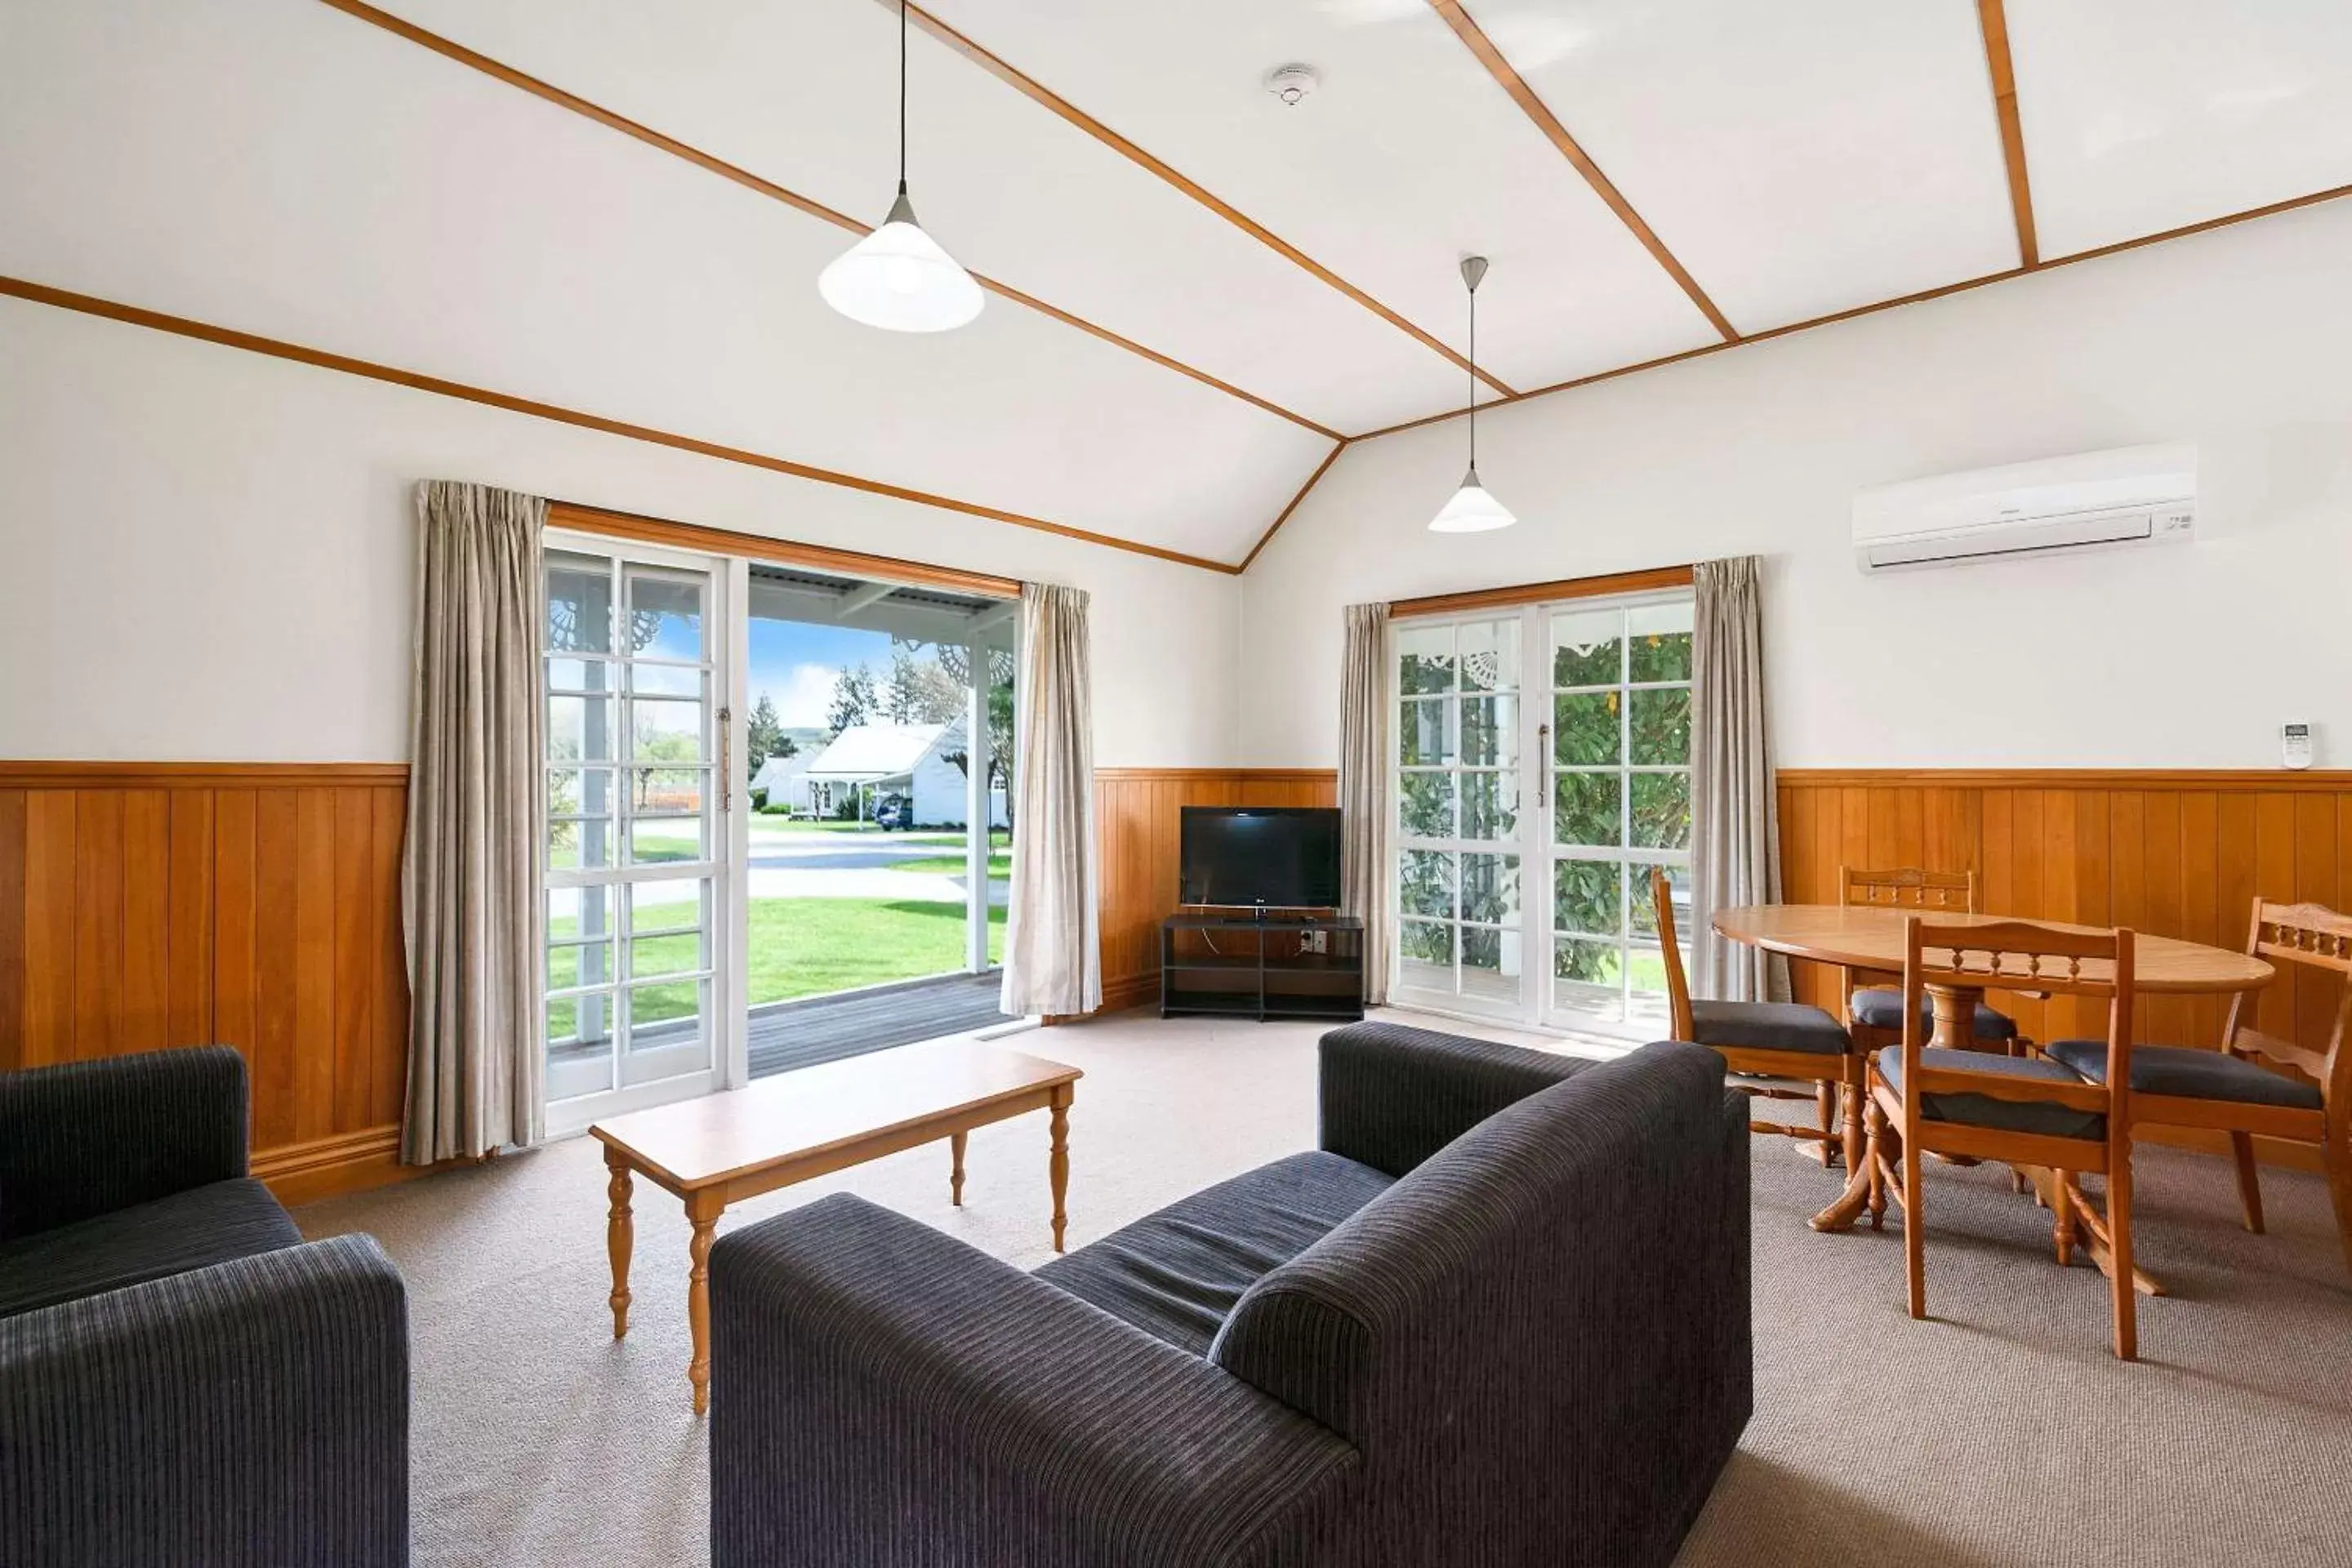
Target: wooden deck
x=788 y=1035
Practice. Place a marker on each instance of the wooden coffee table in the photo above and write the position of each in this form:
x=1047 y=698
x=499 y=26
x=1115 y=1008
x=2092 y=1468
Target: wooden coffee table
x=726 y=1147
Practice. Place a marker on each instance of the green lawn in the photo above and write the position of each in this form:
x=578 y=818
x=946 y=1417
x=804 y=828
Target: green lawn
x=1000 y=864
x=799 y=947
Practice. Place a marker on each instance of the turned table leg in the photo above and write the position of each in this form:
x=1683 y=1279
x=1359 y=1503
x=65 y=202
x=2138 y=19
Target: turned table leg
x=697 y=1300
x=956 y=1145
x=1058 y=1166
x=620 y=1238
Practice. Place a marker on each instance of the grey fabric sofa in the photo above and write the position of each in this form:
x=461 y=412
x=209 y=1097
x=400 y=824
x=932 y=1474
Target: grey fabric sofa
x=182 y=1379
x=1501 y=1316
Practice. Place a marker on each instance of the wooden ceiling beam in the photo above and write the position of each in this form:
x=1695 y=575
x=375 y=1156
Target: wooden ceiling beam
x=1994 y=18
x=450 y=49
x=1037 y=92
x=1276 y=527
x=2337 y=192
x=1474 y=38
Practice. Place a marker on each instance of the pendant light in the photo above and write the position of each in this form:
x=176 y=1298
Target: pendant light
x=897 y=278
x=1472 y=509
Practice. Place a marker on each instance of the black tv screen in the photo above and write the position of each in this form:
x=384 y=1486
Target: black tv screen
x=1250 y=855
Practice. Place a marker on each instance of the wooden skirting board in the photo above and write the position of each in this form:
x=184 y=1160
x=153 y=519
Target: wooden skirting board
x=152 y=904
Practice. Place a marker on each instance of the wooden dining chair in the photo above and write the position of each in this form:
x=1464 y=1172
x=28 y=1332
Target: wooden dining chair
x=1792 y=1050
x=1874 y=1014
x=2026 y=1110
x=2257 y=1084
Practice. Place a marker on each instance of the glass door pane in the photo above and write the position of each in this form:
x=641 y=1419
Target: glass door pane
x=633 y=848
x=1458 y=814
x=1618 y=783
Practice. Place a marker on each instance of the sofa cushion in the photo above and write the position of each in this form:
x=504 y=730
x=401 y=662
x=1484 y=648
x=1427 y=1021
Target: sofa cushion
x=2193 y=1074
x=1767 y=1027
x=192 y=1229
x=2038 y=1116
x=1880 y=1008
x=1176 y=1274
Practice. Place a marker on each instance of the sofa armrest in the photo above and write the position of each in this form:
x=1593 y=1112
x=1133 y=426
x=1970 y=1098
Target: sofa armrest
x=88 y=1138
x=1392 y=1096
x=884 y=1393
x=252 y=1413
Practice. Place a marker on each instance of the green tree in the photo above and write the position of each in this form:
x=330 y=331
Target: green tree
x=854 y=700
x=764 y=734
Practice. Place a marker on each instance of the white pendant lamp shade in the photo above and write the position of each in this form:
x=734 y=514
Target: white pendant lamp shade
x=1471 y=510
x=899 y=279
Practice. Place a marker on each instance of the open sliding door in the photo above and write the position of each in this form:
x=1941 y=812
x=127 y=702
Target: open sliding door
x=635 y=681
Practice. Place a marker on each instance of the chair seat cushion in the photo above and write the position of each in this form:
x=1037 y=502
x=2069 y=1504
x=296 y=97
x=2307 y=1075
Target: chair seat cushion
x=1768 y=1026
x=1176 y=1274
x=1983 y=1110
x=2193 y=1074
x=193 y=1229
x=1878 y=1008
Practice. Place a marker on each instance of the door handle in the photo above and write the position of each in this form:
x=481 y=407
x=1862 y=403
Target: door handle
x=726 y=758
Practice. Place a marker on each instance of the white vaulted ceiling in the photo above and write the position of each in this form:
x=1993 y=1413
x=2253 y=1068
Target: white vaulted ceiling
x=1223 y=286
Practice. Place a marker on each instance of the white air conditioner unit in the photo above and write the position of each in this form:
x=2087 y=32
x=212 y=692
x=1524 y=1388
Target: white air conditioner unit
x=2133 y=495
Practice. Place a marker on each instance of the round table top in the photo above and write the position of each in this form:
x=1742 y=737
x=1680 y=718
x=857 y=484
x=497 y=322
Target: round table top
x=1870 y=936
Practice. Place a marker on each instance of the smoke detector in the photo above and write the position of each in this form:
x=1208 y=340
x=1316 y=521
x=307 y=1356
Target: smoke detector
x=1291 y=83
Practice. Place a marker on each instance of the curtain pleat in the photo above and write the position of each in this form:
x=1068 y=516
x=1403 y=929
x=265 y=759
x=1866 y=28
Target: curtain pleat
x=1735 y=821
x=1053 y=937
x=471 y=866
x=1365 y=762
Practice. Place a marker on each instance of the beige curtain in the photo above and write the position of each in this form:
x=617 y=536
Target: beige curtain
x=1053 y=937
x=470 y=868
x=1735 y=825
x=1366 y=762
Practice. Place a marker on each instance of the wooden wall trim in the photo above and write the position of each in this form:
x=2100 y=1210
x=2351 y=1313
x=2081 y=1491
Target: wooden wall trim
x=1648 y=580
x=319 y=359
x=2170 y=852
x=1225 y=775
x=497 y=71
x=1046 y=97
x=1137 y=815
x=151 y=905
x=1474 y=37
x=195 y=775
x=2226 y=780
x=778 y=551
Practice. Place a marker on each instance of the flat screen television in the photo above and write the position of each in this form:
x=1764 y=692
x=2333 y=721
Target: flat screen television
x=1261 y=857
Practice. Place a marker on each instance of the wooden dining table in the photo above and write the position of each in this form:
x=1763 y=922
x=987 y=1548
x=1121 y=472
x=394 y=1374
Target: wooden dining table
x=1873 y=937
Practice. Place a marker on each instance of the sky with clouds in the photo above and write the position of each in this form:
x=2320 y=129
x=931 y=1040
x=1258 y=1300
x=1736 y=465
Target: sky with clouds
x=796 y=663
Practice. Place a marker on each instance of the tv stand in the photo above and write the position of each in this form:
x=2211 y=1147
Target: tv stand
x=1262 y=965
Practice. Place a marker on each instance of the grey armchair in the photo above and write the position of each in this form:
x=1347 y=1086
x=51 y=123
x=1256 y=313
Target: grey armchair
x=182 y=1379
x=1501 y=1316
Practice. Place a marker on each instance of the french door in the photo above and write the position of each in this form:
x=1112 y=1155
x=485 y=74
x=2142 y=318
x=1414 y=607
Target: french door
x=637 y=843
x=1542 y=772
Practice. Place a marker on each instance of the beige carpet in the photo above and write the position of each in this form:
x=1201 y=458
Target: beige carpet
x=2000 y=1432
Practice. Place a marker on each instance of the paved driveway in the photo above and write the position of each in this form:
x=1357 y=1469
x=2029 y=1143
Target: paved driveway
x=802 y=864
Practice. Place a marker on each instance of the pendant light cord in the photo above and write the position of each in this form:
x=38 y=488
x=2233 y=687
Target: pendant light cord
x=1474 y=375
x=902 y=97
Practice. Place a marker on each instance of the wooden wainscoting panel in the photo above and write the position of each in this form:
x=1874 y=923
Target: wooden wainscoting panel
x=2172 y=853
x=1138 y=813
x=154 y=904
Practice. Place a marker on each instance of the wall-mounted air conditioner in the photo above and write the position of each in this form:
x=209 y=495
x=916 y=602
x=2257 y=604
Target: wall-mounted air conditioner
x=2133 y=495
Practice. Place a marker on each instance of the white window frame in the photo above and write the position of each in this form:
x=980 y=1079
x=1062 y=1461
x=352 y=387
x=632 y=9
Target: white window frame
x=684 y=1071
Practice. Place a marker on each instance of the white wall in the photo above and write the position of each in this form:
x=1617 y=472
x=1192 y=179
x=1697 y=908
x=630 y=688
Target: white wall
x=205 y=555
x=2240 y=340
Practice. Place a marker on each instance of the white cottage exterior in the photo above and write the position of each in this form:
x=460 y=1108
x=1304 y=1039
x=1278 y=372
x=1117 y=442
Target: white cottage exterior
x=873 y=760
